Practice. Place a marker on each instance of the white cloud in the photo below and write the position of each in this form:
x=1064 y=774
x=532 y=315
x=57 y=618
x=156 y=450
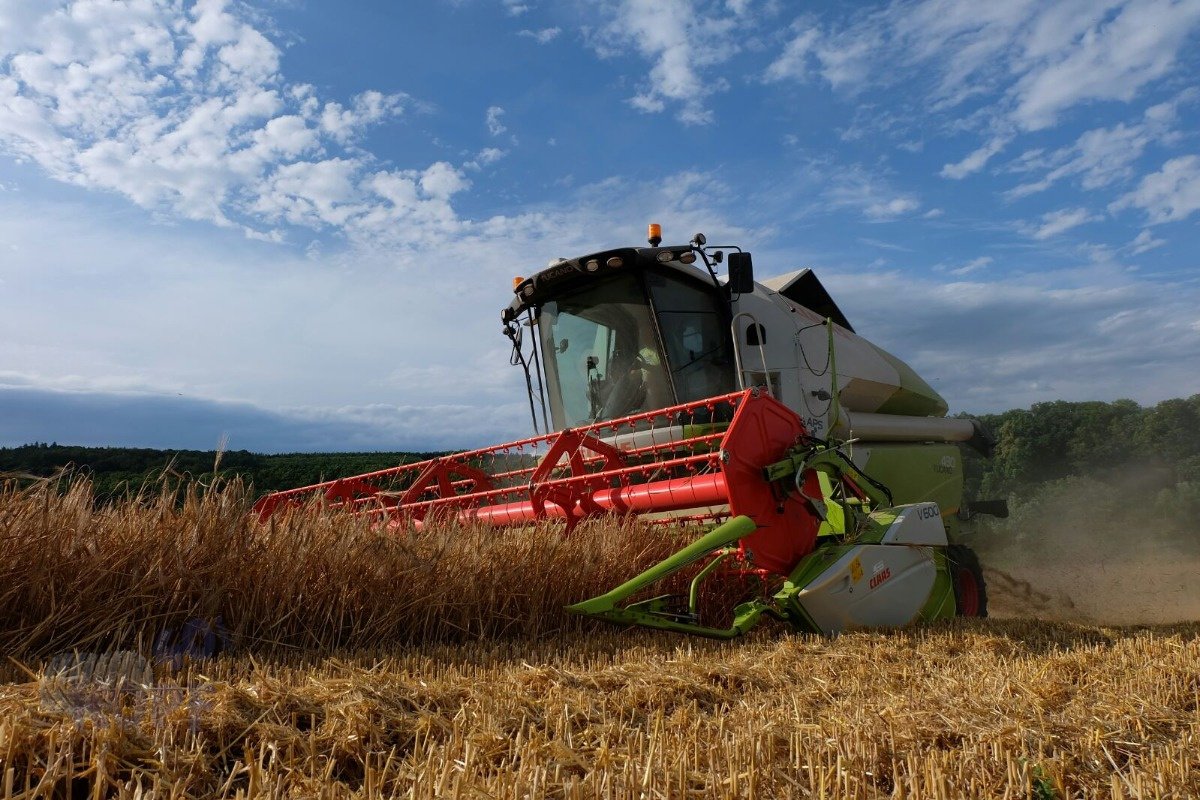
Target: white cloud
x=486 y=156
x=882 y=245
x=1055 y=222
x=887 y=209
x=976 y=160
x=1144 y=243
x=385 y=322
x=441 y=181
x=366 y=109
x=682 y=39
x=183 y=112
x=311 y=194
x=974 y=265
x=492 y=118
x=1109 y=53
x=365 y=335
x=1039 y=59
x=542 y=35
x=989 y=344
x=857 y=189
x=516 y=8
x=1101 y=156
x=794 y=61
x=17 y=21
x=224 y=137
x=1169 y=195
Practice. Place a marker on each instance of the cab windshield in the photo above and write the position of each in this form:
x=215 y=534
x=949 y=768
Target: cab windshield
x=604 y=358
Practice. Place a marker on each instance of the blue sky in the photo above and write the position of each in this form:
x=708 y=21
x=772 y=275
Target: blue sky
x=294 y=223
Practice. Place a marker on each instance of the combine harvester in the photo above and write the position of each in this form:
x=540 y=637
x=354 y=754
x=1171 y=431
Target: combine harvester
x=813 y=464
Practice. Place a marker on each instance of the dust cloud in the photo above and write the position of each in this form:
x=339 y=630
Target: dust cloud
x=1091 y=552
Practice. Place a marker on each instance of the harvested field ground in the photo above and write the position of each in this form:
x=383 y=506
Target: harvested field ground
x=511 y=699
x=1002 y=709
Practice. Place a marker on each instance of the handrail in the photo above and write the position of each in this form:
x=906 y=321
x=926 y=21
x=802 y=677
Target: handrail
x=737 y=348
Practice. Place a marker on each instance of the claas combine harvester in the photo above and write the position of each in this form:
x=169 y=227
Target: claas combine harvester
x=815 y=468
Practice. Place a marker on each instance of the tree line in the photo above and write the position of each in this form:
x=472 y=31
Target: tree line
x=116 y=471
x=1098 y=480
x=1052 y=441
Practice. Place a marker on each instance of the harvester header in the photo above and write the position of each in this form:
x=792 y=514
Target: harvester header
x=806 y=460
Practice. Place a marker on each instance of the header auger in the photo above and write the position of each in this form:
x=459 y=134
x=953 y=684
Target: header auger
x=821 y=469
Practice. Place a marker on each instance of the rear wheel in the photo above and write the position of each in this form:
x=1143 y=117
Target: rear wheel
x=970 y=592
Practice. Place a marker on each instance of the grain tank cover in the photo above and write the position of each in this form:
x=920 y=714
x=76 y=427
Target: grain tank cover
x=803 y=289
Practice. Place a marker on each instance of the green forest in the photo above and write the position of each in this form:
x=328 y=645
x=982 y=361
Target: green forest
x=1119 y=452
x=1057 y=440
x=1090 y=481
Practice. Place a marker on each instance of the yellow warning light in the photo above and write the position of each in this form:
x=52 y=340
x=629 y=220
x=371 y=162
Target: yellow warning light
x=517 y=281
x=654 y=234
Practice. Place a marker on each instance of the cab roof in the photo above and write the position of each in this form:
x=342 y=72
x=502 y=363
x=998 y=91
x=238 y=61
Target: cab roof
x=567 y=273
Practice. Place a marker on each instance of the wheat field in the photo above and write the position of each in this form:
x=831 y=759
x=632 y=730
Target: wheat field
x=362 y=664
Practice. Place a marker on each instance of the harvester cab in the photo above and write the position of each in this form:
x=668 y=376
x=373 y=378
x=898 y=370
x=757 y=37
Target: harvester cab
x=818 y=471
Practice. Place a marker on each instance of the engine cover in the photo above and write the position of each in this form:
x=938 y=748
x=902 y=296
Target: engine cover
x=917 y=523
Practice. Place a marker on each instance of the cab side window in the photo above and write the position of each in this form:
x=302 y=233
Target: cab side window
x=696 y=338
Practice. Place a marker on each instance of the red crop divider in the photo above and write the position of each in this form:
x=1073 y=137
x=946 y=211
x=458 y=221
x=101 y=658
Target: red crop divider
x=443 y=472
x=349 y=489
x=575 y=504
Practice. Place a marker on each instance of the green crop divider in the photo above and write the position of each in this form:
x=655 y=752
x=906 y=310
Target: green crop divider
x=656 y=612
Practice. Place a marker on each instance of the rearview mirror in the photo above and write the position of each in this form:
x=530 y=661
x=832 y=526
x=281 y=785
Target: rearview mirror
x=741 y=274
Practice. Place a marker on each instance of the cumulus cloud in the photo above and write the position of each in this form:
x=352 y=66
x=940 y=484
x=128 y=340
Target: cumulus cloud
x=682 y=39
x=366 y=109
x=404 y=339
x=182 y=109
x=442 y=181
